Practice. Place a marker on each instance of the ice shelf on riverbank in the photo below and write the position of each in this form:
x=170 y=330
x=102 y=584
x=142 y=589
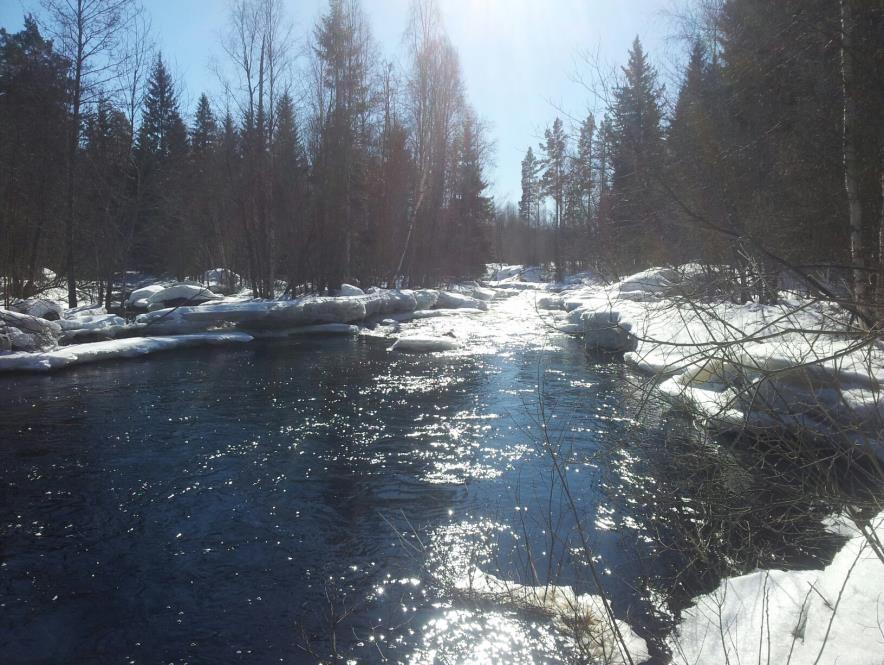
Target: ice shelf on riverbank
x=133 y=347
x=90 y=333
x=801 y=617
x=798 y=364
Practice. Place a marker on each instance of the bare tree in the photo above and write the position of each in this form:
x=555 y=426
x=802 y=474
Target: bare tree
x=89 y=33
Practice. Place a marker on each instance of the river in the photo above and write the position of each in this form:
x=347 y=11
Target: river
x=304 y=499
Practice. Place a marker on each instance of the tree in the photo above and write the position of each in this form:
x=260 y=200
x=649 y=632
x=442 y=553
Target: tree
x=530 y=199
x=344 y=60
x=160 y=158
x=88 y=33
x=290 y=188
x=553 y=182
x=33 y=95
x=637 y=158
x=259 y=43
x=434 y=103
x=578 y=215
x=104 y=202
x=472 y=210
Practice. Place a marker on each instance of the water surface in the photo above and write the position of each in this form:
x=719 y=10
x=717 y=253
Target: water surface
x=298 y=500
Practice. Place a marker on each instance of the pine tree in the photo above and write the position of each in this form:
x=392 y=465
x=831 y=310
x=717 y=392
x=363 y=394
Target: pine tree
x=530 y=188
x=553 y=181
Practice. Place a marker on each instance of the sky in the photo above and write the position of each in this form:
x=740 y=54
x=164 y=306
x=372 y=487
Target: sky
x=522 y=60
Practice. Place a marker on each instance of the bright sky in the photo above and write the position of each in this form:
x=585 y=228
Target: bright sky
x=520 y=58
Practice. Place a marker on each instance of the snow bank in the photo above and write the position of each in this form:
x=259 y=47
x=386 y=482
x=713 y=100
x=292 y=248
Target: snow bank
x=120 y=348
x=800 y=617
x=90 y=323
x=190 y=294
x=139 y=298
x=794 y=365
x=580 y=617
x=24 y=332
x=280 y=314
x=452 y=300
x=39 y=307
x=424 y=344
x=350 y=290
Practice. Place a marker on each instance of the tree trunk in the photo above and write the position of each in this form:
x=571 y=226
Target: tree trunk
x=851 y=162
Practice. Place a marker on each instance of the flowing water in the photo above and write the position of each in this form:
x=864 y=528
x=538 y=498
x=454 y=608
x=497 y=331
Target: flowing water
x=315 y=499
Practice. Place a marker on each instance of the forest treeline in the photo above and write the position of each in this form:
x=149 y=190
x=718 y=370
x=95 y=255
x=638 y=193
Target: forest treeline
x=333 y=165
x=312 y=169
x=768 y=157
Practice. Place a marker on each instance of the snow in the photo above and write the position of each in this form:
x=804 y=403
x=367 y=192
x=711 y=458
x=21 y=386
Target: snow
x=452 y=300
x=424 y=344
x=221 y=280
x=794 y=365
x=28 y=333
x=139 y=298
x=190 y=293
x=581 y=617
x=425 y=298
x=119 y=348
x=798 y=617
x=350 y=290
x=39 y=307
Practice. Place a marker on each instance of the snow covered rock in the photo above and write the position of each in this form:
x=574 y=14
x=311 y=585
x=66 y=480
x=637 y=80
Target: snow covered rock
x=180 y=294
x=90 y=323
x=29 y=333
x=39 y=307
x=139 y=298
x=653 y=280
x=451 y=300
x=425 y=298
x=424 y=344
x=603 y=331
x=350 y=290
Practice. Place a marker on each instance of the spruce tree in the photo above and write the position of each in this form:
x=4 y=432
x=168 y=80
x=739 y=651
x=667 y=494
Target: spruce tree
x=160 y=154
x=637 y=142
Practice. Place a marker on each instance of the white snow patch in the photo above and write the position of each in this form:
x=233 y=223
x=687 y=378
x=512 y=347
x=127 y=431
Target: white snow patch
x=802 y=617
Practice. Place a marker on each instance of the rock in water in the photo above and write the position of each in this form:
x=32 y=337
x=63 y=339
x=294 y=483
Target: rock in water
x=603 y=331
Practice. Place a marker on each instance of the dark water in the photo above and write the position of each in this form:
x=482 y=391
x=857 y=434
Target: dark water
x=313 y=499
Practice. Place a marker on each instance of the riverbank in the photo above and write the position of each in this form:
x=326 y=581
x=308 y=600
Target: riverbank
x=35 y=343
x=799 y=367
